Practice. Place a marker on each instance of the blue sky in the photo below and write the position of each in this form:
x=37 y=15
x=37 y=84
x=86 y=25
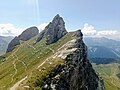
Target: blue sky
x=101 y=14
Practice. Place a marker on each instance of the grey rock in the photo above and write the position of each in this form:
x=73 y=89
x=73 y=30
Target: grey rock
x=40 y=36
x=28 y=33
x=78 y=33
x=13 y=44
x=76 y=74
x=54 y=30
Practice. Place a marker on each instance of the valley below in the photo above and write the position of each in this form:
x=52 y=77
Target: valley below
x=110 y=73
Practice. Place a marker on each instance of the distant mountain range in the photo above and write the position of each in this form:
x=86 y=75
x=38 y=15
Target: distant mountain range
x=101 y=52
x=4 y=41
x=102 y=48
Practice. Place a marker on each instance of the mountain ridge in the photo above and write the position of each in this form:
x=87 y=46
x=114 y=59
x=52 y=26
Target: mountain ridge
x=51 y=63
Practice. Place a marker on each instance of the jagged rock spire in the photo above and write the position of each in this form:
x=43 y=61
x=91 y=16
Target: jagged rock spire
x=54 y=30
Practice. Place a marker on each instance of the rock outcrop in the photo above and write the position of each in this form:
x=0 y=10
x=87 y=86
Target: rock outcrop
x=77 y=73
x=53 y=31
x=41 y=36
x=78 y=33
x=26 y=35
x=13 y=44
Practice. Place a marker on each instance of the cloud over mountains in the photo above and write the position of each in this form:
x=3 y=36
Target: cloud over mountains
x=88 y=31
x=11 y=30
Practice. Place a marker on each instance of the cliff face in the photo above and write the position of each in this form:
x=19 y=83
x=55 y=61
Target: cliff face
x=28 y=33
x=53 y=31
x=24 y=36
x=13 y=44
x=77 y=73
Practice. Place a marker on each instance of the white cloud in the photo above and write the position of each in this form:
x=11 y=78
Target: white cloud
x=112 y=34
x=42 y=26
x=90 y=31
x=107 y=32
x=11 y=30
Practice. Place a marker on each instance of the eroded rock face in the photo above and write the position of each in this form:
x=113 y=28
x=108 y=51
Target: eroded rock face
x=41 y=36
x=54 y=30
x=13 y=44
x=26 y=35
x=76 y=74
x=78 y=33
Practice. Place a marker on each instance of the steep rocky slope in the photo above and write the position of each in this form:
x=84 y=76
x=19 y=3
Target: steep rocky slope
x=50 y=61
x=13 y=44
x=76 y=73
x=53 y=31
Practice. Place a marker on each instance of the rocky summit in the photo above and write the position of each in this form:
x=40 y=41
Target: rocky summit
x=54 y=30
x=77 y=73
x=24 y=36
x=53 y=60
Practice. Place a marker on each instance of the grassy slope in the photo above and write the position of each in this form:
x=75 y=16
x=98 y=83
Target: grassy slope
x=26 y=58
x=108 y=72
